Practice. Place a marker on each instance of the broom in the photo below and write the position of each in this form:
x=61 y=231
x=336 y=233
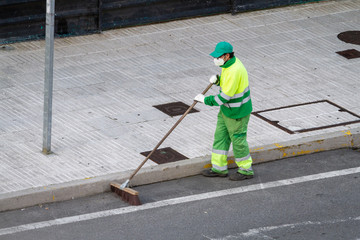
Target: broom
x=130 y=195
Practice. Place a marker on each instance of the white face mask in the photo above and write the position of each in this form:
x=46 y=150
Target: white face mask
x=219 y=61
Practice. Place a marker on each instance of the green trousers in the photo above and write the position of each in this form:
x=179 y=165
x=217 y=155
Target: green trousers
x=233 y=131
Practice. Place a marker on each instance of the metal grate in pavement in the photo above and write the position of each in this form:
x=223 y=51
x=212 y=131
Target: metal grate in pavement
x=165 y=155
x=307 y=117
x=352 y=37
x=350 y=53
x=174 y=108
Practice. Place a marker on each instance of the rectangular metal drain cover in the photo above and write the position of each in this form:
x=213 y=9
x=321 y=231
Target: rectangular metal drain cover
x=308 y=116
x=165 y=155
x=175 y=108
x=350 y=53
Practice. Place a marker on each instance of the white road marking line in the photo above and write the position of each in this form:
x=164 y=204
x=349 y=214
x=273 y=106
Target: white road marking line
x=174 y=201
x=259 y=232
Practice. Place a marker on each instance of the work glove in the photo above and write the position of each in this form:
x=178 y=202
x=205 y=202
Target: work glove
x=200 y=98
x=214 y=79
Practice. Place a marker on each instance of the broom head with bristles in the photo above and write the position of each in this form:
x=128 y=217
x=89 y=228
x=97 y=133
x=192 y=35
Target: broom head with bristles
x=127 y=194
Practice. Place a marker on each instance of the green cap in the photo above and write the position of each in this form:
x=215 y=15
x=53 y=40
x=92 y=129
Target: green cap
x=222 y=48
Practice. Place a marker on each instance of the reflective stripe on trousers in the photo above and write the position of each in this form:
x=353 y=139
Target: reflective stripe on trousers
x=244 y=163
x=219 y=160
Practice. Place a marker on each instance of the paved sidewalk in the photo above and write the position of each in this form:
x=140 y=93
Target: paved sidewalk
x=105 y=86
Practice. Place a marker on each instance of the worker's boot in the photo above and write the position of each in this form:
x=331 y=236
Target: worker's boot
x=239 y=176
x=210 y=173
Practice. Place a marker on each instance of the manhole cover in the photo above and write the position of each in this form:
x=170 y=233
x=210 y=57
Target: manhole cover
x=165 y=155
x=308 y=116
x=175 y=108
x=350 y=37
x=349 y=54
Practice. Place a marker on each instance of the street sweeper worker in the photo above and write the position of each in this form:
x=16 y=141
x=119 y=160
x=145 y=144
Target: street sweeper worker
x=232 y=121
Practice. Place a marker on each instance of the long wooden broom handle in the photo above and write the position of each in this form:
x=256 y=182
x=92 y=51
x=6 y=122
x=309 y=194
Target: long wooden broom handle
x=168 y=133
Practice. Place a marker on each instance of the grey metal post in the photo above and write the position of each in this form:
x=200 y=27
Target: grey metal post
x=48 y=83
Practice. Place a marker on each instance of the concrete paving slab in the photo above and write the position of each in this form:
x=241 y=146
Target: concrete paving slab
x=105 y=86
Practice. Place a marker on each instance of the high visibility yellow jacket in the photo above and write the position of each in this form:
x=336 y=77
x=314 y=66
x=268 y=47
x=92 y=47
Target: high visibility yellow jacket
x=234 y=97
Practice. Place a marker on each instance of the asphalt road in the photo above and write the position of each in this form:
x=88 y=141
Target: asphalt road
x=310 y=197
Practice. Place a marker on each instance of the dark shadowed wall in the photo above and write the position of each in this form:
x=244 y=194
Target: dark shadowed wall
x=25 y=19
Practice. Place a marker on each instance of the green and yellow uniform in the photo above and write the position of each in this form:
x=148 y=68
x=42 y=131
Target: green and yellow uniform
x=235 y=108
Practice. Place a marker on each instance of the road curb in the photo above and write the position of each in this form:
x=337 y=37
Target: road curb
x=175 y=170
